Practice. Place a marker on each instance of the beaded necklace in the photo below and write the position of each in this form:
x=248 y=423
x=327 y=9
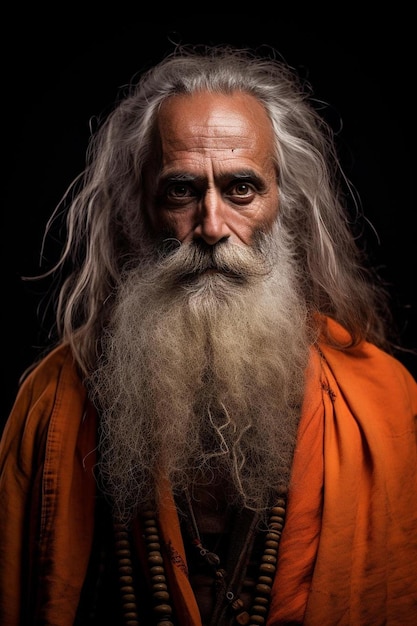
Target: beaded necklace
x=228 y=599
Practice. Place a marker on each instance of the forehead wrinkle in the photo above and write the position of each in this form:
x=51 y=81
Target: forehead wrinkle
x=211 y=118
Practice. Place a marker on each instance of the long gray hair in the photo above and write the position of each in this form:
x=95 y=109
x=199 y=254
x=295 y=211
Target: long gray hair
x=106 y=228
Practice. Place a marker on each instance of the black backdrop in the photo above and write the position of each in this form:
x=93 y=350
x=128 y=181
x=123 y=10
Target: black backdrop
x=61 y=71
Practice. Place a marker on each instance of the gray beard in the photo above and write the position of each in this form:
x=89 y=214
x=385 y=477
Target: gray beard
x=201 y=377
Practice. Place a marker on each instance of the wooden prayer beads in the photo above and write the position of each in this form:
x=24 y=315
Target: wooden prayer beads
x=161 y=598
x=268 y=565
x=127 y=590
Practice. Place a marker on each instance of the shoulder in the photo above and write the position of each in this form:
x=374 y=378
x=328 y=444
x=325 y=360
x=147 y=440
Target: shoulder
x=50 y=393
x=367 y=375
x=57 y=370
x=362 y=356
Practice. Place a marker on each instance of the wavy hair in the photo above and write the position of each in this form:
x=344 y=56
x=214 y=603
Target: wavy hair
x=106 y=228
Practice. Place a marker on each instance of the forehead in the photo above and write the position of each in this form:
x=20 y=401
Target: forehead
x=206 y=120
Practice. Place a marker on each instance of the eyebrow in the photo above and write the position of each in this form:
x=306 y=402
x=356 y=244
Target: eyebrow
x=183 y=177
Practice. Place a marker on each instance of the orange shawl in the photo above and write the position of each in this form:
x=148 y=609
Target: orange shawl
x=348 y=551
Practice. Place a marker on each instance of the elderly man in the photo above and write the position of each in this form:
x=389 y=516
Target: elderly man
x=220 y=434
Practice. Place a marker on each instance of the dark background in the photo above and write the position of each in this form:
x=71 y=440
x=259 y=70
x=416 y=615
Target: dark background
x=61 y=71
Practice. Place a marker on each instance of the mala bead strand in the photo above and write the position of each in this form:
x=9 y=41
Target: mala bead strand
x=160 y=595
x=268 y=565
x=128 y=597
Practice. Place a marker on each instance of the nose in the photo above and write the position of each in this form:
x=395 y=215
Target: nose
x=211 y=223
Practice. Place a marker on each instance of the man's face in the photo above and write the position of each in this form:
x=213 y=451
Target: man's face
x=217 y=178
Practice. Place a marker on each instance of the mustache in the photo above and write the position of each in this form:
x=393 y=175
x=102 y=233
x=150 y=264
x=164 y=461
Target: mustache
x=186 y=262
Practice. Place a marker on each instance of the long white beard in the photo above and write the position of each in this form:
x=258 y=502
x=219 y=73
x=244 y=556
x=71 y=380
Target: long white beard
x=202 y=374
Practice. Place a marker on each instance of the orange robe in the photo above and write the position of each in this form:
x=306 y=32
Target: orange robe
x=348 y=553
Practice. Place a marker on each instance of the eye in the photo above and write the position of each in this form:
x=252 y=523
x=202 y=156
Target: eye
x=241 y=189
x=241 y=192
x=179 y=190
